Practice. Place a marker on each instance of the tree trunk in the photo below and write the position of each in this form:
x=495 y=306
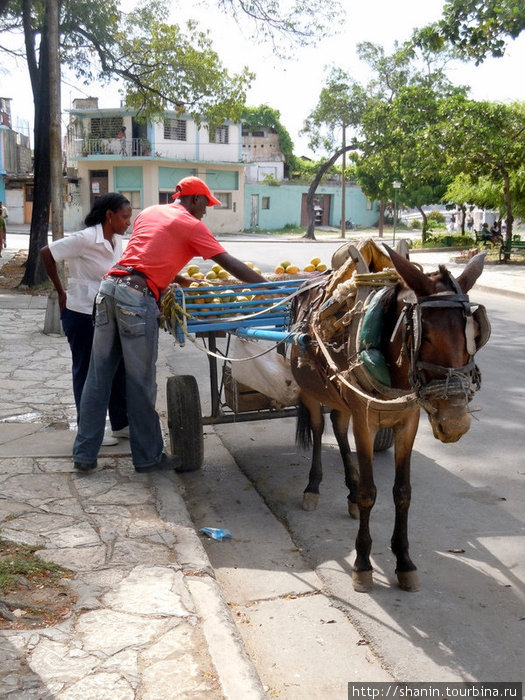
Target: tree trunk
x=509 y=218
x=311 y=191
x=35 y=272
x=425 y=225
x=343 y=195
x=381 y=222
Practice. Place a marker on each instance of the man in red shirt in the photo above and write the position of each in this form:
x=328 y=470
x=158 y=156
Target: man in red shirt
x=165 y=237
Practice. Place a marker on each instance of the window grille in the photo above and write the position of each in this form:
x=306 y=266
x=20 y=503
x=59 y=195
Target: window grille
x=175 y=129
x=221 y=134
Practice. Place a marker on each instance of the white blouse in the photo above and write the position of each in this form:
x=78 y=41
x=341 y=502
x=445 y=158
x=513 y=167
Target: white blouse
x=89 y=256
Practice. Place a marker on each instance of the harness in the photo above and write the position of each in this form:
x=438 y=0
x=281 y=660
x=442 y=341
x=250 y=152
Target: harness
x=461 y=382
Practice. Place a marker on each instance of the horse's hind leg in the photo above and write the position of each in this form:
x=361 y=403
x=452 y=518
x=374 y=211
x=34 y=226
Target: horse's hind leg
x=340 y=422
x=316 y=417
x=406 y=571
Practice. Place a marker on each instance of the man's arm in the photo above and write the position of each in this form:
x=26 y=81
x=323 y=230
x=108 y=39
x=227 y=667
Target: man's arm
x=237 y=268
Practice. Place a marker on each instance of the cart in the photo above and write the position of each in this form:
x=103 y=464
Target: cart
x=259 y=311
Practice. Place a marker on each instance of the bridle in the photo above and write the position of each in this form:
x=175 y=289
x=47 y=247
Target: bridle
x=458 y=383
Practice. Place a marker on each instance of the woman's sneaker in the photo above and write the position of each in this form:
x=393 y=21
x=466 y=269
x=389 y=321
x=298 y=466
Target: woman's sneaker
x=122 y=433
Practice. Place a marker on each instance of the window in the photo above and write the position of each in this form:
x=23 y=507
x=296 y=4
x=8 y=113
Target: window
x=175 y=129
x=105 y=127
x=225 y=198
x=369 y=205
x=221 y=134
x=165 y=197
x=133 y=196
x=265 y=203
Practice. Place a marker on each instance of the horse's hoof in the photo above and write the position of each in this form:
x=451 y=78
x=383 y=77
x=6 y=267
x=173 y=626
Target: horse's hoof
x=353 y=510
x=310 y=500
x=408 y=580
x=362 y=581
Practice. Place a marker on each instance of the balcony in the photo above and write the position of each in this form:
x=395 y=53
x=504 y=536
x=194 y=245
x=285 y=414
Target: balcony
x=83 y=148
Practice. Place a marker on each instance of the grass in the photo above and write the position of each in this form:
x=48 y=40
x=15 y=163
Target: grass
x=18 y=560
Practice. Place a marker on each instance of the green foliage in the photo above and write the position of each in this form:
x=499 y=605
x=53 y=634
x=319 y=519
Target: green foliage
x=476 y=28
x=436 y=216
x=269 y=179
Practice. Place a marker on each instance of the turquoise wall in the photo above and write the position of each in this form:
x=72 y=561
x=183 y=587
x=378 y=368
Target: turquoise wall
x=169 y=177
x=286 y=199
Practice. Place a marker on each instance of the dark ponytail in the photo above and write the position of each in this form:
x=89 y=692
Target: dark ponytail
x=112 y=201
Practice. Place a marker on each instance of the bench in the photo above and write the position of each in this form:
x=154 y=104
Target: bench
x=481 y=240
x=514 y=246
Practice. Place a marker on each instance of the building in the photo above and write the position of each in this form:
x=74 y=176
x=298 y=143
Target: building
x=111 y=150
x=16 y=167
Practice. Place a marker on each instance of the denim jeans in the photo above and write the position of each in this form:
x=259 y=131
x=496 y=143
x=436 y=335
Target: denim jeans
x=126 y=327
x=79 y=330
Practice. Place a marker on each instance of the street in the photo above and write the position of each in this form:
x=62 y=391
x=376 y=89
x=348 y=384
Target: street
x=465 y=531
x=286 y=573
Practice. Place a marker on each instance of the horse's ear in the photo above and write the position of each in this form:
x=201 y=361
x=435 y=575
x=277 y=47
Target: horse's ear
x=472 y=271
x=410 y=274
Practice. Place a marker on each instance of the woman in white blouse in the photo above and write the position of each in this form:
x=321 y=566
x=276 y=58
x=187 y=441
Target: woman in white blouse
x=90 y=253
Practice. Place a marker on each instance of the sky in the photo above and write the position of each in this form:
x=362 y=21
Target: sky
x=293 y=86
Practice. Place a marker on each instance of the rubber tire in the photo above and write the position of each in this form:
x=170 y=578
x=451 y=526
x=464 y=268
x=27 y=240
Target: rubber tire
x=384 y=439
x=185 y=421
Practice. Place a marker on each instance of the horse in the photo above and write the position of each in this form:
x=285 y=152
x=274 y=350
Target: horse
x=426 y=333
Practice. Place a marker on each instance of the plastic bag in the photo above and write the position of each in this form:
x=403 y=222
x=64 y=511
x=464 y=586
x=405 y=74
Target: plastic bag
x=216 y=533
x=270 y=374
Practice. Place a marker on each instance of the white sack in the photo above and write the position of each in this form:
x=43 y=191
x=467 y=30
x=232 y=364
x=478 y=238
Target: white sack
x=269 y=374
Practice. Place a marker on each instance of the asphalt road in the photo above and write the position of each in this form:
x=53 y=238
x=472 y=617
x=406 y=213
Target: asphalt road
x=465 y=528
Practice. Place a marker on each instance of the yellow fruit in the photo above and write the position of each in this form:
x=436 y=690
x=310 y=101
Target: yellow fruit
x=292 y=270
x=257 y=270
x=315 y=261
x=216 y=300
x=198 y=276
x=279 y=270
x=194 y=284
x=240 y=297
x=222 y=274
x=285 y=264
x=211 y=275
x=216 y=268
x=192 y=269
x=309 y=268
x=321 y=267
x=250 y=264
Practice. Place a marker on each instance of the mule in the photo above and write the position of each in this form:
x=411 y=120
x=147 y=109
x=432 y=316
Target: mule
x=429 y=335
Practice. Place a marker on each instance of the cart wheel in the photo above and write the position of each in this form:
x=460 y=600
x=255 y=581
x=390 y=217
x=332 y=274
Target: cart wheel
x=384 y=439
x=185 y=421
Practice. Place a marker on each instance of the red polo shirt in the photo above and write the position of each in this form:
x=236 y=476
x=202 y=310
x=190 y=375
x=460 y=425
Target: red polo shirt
x=165 y=237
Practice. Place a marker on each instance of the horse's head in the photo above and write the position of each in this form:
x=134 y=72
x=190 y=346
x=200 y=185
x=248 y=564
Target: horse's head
x=442 y=332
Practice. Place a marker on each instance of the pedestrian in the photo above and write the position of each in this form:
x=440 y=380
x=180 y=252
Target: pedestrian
x=2 y=233
x=90 y=253
x=122 y=138
x=452 y=223
x=165 y=237
x=5 y=215
x=470 y=222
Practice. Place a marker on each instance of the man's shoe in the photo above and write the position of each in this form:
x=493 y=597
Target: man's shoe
x=122 y=433
x=165 y=464
x=109 y=440
x=85 y=466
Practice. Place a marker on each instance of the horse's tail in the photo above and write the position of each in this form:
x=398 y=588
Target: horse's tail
x=303 y=428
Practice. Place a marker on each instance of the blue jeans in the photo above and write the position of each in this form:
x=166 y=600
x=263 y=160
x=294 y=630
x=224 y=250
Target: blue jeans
x=126 y=328
x=79 y=332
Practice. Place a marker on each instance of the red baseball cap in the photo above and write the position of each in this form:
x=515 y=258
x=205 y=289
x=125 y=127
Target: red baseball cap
x=194 y=185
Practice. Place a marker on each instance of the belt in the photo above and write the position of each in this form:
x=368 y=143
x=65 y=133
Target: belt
x=133 y=281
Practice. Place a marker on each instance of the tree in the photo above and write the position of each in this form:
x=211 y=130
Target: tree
x=158 y=64
x=486 y=142
x=476 y=28
x=339 y=107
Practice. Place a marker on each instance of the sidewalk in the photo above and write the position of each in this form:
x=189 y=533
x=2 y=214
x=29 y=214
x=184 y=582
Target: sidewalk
x=150 y=621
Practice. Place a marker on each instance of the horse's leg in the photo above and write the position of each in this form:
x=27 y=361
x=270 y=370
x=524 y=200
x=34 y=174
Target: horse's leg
x=340 y=423
x=366 y=497
x=406 y=570
x=311 y=492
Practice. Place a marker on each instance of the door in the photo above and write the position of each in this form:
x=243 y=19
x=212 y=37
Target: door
x=98 y=184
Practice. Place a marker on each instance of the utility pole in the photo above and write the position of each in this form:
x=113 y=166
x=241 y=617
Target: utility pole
x=52 y=320
x=343 y=193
